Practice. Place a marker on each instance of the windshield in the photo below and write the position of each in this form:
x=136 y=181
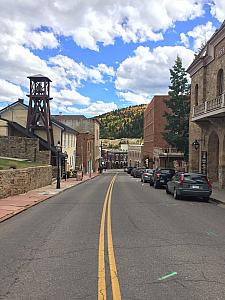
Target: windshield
x=195 y=179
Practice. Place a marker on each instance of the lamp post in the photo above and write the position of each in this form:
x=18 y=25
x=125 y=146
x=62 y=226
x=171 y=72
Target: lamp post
x=58 y=148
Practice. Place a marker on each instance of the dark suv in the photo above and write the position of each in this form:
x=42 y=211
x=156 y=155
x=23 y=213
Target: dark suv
x=162 y=176
x=190 y=185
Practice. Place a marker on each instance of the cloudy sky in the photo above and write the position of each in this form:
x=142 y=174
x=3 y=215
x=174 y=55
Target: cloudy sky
x=100 y=54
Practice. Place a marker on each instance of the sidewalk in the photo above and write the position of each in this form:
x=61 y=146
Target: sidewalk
x=13 y=205
x=218 y=195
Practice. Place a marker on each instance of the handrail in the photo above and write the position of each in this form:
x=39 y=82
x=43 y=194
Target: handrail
x=209 y=105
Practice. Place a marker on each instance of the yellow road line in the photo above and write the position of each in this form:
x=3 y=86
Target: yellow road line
x=112 y=262
x=101 y=257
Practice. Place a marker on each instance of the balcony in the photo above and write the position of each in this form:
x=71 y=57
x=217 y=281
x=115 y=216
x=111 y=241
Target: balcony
x=211 y=108
x=167 y=152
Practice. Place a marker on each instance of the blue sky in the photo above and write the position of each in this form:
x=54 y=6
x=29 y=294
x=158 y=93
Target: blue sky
x=103 y=54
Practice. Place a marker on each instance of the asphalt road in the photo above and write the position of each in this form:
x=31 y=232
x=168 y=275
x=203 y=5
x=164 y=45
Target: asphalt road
x=52 y=250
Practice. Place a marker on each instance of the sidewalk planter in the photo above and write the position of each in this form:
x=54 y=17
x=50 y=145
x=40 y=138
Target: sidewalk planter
x=19 y=181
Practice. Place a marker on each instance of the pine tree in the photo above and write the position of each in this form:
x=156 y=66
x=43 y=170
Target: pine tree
x=177 y=128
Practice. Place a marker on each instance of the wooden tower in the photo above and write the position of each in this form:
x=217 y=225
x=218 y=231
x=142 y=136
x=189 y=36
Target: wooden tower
x=39 y=116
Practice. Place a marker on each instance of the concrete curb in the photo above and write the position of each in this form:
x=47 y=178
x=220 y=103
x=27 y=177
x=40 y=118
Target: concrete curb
x=12 y=214
x=214 y=200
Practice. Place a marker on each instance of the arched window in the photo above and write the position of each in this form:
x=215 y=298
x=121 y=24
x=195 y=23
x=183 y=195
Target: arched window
x=220 y=83
x=196 y=94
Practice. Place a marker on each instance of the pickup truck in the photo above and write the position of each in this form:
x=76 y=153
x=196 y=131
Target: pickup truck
x=162 y=176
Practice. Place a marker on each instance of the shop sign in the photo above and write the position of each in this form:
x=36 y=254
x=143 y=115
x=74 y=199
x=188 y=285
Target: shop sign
x=204 y=162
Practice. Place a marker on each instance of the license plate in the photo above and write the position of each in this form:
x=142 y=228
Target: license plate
x=195 y=186
x=161 y=180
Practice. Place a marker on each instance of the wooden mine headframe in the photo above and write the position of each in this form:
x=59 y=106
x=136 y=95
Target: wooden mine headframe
x=39 y=116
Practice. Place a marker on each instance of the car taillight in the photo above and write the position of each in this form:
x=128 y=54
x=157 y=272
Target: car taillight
x=145 y=174
x=158 y=174
x=181 y=180
x=209 y=183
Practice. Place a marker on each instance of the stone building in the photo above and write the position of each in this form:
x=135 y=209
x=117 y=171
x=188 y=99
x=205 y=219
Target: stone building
x=13 y=120
x=85 y=125
x=207 y=119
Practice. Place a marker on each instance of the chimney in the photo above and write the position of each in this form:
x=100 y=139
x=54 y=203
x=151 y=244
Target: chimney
x=21 y=100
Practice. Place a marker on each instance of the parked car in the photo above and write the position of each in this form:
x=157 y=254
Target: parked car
x=188 y=185
x=162 y=176
x=138 y=172
x=125 y=169
x=147 y=175
x=132 y=171
x=129 y=169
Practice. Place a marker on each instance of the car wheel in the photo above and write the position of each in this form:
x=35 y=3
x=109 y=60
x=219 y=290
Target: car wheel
x=144 y=180
x=151 y=183
x=206 y=199
x=167 y=191
x=175 y=196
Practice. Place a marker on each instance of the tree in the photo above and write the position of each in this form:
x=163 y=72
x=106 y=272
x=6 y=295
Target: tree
x=177 y=129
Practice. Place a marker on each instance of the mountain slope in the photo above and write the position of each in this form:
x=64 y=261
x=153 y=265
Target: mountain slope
x=123 y=123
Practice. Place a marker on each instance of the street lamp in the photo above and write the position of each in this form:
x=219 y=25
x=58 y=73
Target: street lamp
x=58 y=149
x=196 y=144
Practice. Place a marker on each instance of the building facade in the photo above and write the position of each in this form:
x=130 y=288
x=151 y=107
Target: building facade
x=85 y=152
x=156 y=152
x=135 y=155
x=16 y=114
x=114 y=159
x=154 y=125
x=85 y=125
x=207 y=119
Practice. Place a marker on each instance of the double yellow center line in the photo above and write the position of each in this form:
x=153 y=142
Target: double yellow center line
x=101 y=258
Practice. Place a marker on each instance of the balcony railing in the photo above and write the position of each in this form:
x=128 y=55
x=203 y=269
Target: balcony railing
x=208 y=107
x=166 y=151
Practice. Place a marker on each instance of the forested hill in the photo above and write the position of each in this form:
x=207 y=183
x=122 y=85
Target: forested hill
x=123 y=123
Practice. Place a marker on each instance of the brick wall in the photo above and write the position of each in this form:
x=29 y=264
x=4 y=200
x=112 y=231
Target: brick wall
x=154 y=125
x=14 y=182
x=22 y=147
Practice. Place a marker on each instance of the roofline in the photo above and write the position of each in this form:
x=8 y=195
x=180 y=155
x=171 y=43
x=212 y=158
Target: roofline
x=13 y=104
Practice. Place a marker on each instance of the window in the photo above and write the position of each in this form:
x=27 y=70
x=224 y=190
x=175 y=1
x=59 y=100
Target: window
x=196 y=94
x=64 y=140
x=220 y=82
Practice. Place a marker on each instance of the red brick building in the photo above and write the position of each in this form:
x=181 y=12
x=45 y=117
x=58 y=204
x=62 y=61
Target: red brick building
x=85 y=152
x=156 y=152
x=154 y=124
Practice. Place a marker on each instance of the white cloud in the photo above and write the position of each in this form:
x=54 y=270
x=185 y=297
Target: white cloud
x=147 y=72
x=94 y=109
x=70 y=97
x=184 y=40
x=134 y=98
x=9 y=92
x=106 y=70
x=90 y=22
x=39 y=40
x=218 y=9
x=199 y=35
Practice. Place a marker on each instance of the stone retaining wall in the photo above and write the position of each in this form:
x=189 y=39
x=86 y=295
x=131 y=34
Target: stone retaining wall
x=19 y=181
x=22 y=147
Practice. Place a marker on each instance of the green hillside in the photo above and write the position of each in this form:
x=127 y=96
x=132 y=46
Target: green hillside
x=123 y=123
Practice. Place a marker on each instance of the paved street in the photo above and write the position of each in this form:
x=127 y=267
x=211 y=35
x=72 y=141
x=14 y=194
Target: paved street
x=159 y=247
